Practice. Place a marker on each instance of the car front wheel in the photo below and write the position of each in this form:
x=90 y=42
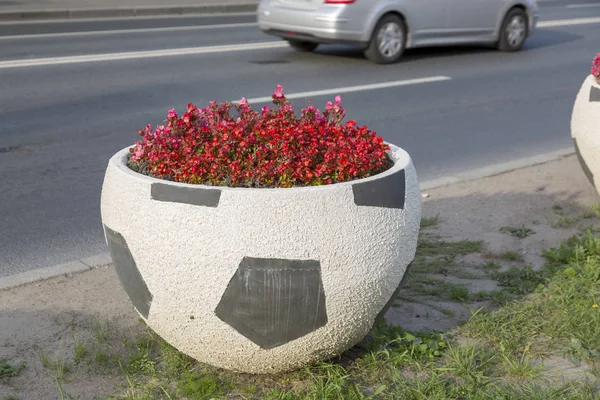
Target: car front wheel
x=388 y=40
x=514 y=30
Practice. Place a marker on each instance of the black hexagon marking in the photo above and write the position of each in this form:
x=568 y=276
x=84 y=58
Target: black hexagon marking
x=394 y=295
x=388 y=191
x=594 y=94
x=179 y=194
x=583 y=164
x=128 y=273
x=274 y=301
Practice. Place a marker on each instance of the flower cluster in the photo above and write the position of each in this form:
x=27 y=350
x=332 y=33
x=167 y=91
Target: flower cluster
x=273 y=147
x=595 y=70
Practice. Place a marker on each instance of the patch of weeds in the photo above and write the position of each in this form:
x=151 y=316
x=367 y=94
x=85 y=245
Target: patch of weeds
x=491 y=266
x=563 y=220
x=141 y=357
x=10 y=370
x=79 y=351
x=495 y=297
x=102 y=358
x=195 y=385
x=100 y=328
x=521 y=232
x=586 y=243
x=511 y=256
x=428 y=222
x=595 y=210
x=445 y=311
x=60 y=367
x=522 y=366
x=459 y=293
x=172 y=362
x=519 y=280
x=63 y=395
x=475 y=365
x=10 y=397
x=451 y=249
x=576 y=351
x=557 y=207
x=438 y=288
x=44 y=359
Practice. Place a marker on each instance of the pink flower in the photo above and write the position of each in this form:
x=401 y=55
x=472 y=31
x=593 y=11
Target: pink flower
x=278 y=94
x=243 y=101
x=338 y=100
x=138 y=151
x=329 y=105
x=265 y=110
x=595 y=70
x=172 y=114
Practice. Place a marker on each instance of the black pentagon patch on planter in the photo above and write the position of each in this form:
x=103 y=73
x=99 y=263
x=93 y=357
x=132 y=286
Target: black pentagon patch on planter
x=388 y=192
x=274 y=301
x=394 y=295
x=187 y=195
x=594 y=94
x=128 y=273
x=583 y=164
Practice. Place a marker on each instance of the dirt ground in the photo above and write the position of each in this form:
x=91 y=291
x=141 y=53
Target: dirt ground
x=40 y=322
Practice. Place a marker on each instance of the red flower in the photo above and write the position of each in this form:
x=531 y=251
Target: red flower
x=271 y=148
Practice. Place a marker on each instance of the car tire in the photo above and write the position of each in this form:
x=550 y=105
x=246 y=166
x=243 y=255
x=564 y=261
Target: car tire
x=388 y=40
x=302 y=46
x=514 y=30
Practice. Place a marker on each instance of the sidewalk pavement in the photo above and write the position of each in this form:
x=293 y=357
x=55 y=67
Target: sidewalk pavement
x=19 y=10
x=46 y=317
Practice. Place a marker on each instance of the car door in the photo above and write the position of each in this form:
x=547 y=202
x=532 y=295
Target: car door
x=427 y=19
x=473 y=18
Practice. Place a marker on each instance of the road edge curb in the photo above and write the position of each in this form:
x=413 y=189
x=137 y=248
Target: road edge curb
x=123 y=12
x=103 y=259
x=66 y=269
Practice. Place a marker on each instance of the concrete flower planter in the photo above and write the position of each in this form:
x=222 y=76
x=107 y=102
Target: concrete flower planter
x=585 y=129
x=261 y=280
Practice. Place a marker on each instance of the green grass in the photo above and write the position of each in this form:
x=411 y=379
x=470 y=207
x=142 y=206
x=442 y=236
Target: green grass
x=428 y=222
x=519 y=280
x=521 y=232
x=562 y=311
x=9 y=370
x=101 y=328
x=511 y=256
x=432 y=248
x=79 y=351
x=495 y=297
x=495 y=355
x=437 y=288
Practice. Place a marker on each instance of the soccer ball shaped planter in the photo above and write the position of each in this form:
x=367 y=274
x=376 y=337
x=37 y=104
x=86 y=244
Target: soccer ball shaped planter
x=585 y=125
x=261 y=280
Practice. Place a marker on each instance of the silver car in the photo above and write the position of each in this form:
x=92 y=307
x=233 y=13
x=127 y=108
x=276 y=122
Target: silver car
x=385 y=28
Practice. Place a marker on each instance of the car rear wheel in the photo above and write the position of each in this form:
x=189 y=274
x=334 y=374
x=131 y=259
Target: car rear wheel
x=302 y=46
x=388 y=41
x=514 y=30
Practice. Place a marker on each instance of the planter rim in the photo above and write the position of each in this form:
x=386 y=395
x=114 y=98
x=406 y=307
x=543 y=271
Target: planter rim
x=398 y=155
x=593 y=80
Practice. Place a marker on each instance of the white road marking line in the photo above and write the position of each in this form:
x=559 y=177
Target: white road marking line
x=140 y=54
x=129 y=31
x=350 y=89
x=542 y=24
x=582 y=5
x=568 y=22
x=136 y=18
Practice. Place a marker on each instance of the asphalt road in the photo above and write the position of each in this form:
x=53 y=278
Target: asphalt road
x=60 y=123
